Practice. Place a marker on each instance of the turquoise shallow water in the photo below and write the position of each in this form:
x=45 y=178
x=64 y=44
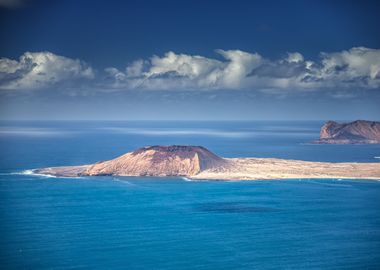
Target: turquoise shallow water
x=171 y=223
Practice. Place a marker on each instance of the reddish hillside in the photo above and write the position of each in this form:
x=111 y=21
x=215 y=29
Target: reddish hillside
x=172 y=160
x=359 y=131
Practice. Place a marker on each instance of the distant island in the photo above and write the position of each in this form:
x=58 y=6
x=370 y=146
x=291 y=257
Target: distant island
x=196 y=162
x=357 y=132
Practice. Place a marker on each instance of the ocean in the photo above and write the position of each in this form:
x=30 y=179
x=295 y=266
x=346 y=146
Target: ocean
x=174 y=223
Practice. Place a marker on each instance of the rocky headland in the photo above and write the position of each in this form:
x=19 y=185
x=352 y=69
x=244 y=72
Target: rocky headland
x=197 y=162
x=357 y=132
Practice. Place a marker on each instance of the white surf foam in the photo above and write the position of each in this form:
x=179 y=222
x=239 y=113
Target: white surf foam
x=124 y=182
x=32 y=173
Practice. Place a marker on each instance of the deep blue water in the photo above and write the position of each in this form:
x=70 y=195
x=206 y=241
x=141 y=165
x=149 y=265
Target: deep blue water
x=170 y=223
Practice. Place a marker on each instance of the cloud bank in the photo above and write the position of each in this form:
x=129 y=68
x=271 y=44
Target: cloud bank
x=358 y=67
x=42 y=70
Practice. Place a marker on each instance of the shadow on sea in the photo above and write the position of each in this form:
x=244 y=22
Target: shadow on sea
x=231 y=207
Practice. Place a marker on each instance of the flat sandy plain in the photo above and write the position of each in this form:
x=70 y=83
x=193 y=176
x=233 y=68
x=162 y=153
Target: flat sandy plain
x=273 y=168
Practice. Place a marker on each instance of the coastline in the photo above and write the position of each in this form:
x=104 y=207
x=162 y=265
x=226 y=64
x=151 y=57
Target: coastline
x=249 y=169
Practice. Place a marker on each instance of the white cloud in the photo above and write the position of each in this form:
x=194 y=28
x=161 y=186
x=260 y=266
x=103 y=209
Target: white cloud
x=239 y=65
x=41 y=70
x=294 y=57
x=357 y=67
x=182 y=71
x=135 y=69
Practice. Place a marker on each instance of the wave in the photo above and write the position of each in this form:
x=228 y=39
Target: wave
x=11 y=173
x=124 y=182
x=194 y=180
x=25 y=172
x=32 y=173
x=29 y=173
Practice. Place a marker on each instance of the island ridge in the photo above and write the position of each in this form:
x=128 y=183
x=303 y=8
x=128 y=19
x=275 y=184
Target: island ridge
x=356 y=132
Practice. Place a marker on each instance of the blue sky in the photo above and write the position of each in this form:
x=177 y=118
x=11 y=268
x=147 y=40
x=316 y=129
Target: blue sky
x=191 y=60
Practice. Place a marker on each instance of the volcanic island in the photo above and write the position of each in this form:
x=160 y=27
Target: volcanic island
x=196 y=162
